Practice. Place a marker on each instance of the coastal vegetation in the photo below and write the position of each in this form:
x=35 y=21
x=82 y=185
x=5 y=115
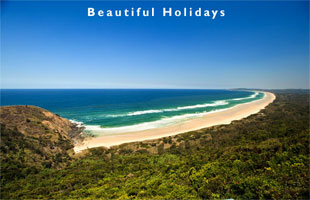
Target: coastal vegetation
x=33 y=139
x=264 y=156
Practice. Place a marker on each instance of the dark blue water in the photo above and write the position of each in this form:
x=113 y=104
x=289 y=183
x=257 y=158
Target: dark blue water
x=129 y=108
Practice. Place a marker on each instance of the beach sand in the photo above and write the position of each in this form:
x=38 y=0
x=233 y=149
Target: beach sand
x=211 y=119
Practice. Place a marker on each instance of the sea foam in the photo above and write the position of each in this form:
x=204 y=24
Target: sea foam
x=142 y=112
x=249 y=97
x=98 y=130
x=214 y=104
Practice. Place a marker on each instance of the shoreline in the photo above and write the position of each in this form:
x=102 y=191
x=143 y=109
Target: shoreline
x=225 y=116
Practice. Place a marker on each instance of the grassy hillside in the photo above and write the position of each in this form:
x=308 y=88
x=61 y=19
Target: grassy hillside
x=33 y=139
x=261 y=157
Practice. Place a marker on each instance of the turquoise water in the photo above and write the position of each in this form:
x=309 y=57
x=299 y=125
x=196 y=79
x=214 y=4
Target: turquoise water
x=110 y=111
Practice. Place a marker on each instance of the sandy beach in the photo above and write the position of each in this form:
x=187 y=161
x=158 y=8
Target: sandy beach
x=211 y=119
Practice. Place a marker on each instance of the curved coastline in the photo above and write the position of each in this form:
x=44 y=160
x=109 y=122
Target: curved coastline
x=225 y=116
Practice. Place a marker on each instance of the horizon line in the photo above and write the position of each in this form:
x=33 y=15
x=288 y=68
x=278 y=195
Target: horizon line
x=155 y=88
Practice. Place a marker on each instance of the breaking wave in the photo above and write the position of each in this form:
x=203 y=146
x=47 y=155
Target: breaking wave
x=249 y=97
x=216 y=103
x=98 y=130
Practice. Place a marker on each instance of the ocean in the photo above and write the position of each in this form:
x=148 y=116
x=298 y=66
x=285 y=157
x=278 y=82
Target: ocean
x=113 y=111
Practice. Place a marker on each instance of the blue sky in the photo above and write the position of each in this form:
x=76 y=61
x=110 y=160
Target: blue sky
x=56 y=45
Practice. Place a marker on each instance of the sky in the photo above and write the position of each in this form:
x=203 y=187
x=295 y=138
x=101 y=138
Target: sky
x=56 y=45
